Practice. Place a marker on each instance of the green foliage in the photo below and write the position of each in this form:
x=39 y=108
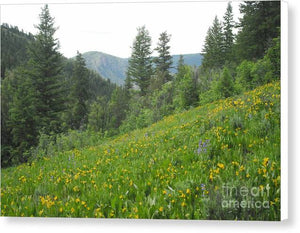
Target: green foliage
x=79 y=94
x=162 y=101
x=48 y=94
x=225 y=85
x=174 y=169
x=163 y=62
x=273 y=54
x=97 y=119
x=118 y=106
x=228 y=26
x=45 y=68
x=140 y=63
x=64 y=94
x=18 y=114
x=252 y=74
x=51 y=145
x=262 y=72
x=208 y=86
x=13 y=47
x=138 y=115
x=213 y=55
x=244 y=76
x=259 y=25
x=185 y=94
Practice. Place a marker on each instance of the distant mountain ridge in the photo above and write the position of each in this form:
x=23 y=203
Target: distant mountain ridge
x=108 y=66
x=114 y=68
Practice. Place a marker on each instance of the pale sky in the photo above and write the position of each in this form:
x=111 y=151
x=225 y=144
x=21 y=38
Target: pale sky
x=111 y=27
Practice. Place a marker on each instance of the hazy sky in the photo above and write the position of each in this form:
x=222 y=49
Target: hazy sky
x=111 y=27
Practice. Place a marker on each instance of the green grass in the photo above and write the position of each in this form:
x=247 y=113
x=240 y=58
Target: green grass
x=164 y=171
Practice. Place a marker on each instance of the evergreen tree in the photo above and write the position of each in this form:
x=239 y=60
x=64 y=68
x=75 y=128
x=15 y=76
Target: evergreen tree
x=226 y=85
x=79 y=93
x=273 y=54
x=118 y=106
x=164 y=60
x=213 y=50
x=45 y=67
x=22 y=117
x=258 y=26
x=13 y=47
x=180 y=68
x=185 y=88
x=180 y=62
x=228 y=34
x=98 y=117
x=140 y=64
x=7 y=94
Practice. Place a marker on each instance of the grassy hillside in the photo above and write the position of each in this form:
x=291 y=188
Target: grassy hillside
x=181 y=167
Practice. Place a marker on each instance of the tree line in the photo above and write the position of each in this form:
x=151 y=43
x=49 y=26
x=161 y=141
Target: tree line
x=49 y=95
x=42 y=92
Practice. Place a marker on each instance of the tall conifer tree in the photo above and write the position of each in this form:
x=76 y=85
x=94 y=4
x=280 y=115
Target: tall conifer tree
x=45 y=67
x=163 y=61
x=79 y=93
x=228 y=26
x=258 y=26
x=213 y=50
x=140 y=64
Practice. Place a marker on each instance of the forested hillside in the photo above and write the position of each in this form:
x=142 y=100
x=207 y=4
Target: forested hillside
x=14 y=45
x=28 y=85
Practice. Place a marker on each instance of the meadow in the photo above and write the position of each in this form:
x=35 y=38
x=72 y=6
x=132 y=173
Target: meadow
x=179 y=168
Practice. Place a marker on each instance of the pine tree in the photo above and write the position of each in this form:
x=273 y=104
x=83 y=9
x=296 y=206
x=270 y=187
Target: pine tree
x=164 y=60
x=180 y=68
x=118 y=106
x=79 y=93
x=140 y=64
x=180 y=62
x=226 y=85
x=185 y=88
x=228 y=26
x=258 y=26
x=98 y=117
x=45 y=67
x=22 y=117
x=213 y=56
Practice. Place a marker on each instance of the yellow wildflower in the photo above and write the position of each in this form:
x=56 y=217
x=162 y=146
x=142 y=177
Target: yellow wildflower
x=221 y=165
x=265 y=162
x=41 y=212
x=242 y=168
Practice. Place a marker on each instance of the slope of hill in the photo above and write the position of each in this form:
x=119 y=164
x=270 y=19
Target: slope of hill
x=107 y=66
x=14 y=44
x=114 y=68
x=176 y=168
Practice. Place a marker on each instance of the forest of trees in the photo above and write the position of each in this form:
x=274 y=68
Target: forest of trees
x=44 y=94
